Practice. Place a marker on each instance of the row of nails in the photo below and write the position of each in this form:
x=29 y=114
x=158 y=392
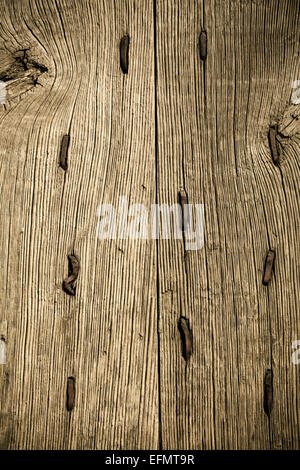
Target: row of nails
x=187 y=342
x=69 y=287
x=272 y=137
x=184 y=326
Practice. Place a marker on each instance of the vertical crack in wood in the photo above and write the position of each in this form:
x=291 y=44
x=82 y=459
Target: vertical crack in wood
x=269 y=267
x=70 y=393
x=203 y=45
x=63 y=156
x=186 y=337
x=68 y=283
x=274 y=148
x=124 y=53
x=268 y=392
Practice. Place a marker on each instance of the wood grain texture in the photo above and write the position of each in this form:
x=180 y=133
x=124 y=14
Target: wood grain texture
x=213 y=122
x=105 y=336
x=185 y=120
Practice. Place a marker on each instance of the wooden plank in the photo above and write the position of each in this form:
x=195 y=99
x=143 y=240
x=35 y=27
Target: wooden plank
x=60 y=61
x=186 y=110
x=213 y=119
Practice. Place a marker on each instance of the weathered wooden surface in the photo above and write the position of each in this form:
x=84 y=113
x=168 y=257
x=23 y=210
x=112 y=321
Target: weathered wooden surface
x=174 y=122
x=218 y=114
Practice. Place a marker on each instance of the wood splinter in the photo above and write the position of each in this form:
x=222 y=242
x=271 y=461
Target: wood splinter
x=186 y=337
x=269 y=267
x=124 y=47
x=203 y=45
x=272 y=136
x=63 y=156
x=70 y=393
x=268 y=392
x=68 y=283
